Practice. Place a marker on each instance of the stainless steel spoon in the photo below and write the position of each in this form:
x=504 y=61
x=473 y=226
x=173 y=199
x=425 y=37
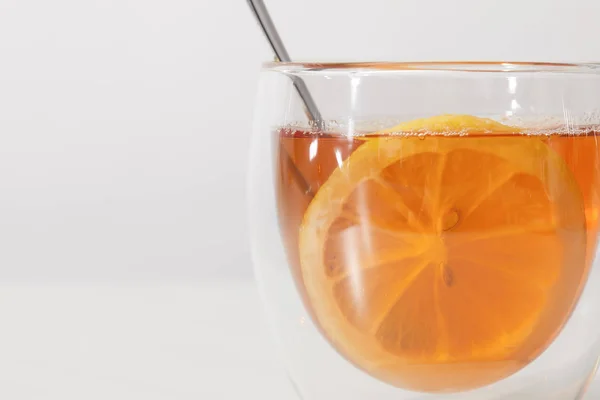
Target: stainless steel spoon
x=266 y=23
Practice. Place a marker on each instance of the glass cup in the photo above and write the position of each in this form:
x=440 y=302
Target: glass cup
x=434 y=236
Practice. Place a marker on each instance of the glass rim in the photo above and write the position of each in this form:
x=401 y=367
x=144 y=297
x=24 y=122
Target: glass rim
x=432 y=66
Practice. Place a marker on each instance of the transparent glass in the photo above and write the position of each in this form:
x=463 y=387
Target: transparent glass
x=436 y=238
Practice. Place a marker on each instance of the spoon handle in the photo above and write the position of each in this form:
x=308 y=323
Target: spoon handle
x=266 y=23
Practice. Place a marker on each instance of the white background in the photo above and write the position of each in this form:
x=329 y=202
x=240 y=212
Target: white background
x=124 y=129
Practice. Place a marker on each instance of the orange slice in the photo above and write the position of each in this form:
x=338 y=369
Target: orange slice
x=444 y=263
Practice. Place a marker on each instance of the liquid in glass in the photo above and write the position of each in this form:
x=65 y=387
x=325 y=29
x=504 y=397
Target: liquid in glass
x=443 y=254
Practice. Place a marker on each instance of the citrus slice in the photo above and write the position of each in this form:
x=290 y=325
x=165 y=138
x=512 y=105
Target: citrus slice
x=444 y=263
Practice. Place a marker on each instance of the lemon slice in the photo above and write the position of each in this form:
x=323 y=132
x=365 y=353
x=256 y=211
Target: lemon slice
x=444 y=263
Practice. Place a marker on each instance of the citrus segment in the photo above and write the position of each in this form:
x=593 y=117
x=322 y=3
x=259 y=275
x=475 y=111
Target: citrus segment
x=412 y=259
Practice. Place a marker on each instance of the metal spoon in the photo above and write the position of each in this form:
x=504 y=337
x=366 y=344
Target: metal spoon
x=266 y=23
x=312 y=112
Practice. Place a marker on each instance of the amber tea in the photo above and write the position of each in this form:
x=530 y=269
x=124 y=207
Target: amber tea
x=441 y=254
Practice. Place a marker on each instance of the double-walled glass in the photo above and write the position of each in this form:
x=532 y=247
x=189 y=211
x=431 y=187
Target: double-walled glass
x=434 y=236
